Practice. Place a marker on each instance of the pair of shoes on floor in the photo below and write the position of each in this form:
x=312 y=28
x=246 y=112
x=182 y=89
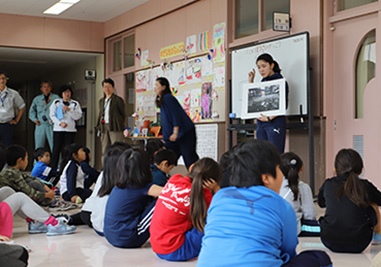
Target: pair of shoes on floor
x=60 y=205
x=59 y=229
x=376 y=240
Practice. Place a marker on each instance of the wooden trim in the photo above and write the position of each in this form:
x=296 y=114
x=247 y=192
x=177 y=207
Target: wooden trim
x=259 y=37
x=355 y=12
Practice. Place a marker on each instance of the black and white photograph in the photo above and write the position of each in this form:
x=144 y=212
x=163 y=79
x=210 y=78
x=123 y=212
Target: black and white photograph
x=263 y=99
x=268 y=98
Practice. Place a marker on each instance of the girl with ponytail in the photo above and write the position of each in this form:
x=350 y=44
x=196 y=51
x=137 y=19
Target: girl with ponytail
x=352 y=217
x=270 y=128
x=178 y=221
x=297 y=193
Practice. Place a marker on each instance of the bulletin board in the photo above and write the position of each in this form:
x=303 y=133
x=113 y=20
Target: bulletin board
x=198 y=84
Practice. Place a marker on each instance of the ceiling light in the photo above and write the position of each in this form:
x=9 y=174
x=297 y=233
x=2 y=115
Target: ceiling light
x=60 y=7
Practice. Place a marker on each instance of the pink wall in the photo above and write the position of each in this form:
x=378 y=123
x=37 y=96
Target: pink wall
x=143 y=13
x=48 y=33
x=343 y=34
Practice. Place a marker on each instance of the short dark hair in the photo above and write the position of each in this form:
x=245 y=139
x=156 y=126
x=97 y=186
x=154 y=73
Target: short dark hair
x=133 y=169
x=108 y=80
x=248 y=161
x=165 y=154
x=152 y=146
x=5 y=74
x=63 y=88
x=118 y=144
x=13 y=153
x=87 y=152
x=39 y=152
x=46 y=81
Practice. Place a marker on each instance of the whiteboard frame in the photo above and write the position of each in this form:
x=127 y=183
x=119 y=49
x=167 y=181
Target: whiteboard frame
x=302 y=110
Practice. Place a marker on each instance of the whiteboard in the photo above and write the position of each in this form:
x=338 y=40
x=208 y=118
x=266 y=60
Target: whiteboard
x=292 y=55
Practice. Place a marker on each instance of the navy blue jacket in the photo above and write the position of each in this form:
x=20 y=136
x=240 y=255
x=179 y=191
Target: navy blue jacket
x=172 y=114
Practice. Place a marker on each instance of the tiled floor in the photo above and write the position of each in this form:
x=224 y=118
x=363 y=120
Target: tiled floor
x=85 y=248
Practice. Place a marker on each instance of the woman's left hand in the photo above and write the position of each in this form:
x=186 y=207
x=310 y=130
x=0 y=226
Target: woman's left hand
x=4 y=238
x=262 y=117
x=173 y=137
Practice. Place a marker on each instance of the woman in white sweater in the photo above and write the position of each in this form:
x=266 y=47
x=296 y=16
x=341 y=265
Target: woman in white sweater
x=63 y=112
x=296 y=192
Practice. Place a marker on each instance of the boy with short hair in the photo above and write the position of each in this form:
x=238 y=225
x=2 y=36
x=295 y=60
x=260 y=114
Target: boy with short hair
x=14 y=177
x=41 y=169
x=164 y=161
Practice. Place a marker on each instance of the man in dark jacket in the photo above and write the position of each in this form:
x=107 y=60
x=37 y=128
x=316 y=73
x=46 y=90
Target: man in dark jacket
x=111 y=115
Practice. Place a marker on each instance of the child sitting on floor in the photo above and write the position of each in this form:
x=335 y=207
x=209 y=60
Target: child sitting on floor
x=164 y=161
x=72 y=177
x=129 y=207
x=249 y=223
x=42 y=169
x=91 y=174
x=352 y=216
x=179 y=218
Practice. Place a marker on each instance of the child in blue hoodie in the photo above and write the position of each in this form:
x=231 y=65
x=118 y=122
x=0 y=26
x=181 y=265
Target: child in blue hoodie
x=249 y=223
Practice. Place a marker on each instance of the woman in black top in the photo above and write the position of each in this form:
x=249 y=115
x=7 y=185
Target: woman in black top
x=352 y=217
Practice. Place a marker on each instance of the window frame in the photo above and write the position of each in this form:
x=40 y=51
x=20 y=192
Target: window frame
x=110 y=48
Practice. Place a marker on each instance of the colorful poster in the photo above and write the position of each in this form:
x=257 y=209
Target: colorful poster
x=141 y=81
x=172 y=50
x=191 y=44
x=193 y=71
x=219 y=77
x=179 y=72
x=206 y=67
x=195 y=98
x=204 y=41
x=186 y=102
x=219 y=42
x=206 y=100
x=144 y=58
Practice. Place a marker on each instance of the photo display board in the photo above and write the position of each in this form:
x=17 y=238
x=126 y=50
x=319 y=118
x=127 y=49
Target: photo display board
x=198 y=84
x=292 y=55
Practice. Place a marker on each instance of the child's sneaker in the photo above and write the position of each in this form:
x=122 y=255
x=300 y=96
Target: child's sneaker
x=37 y=227
x=59 y=206
x=62 y=217
x=60 y=229
x=376 y=240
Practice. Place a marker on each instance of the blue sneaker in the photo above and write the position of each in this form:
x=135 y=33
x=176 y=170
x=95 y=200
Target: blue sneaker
x=60 y=229
x=376 y=240
x=37 y=227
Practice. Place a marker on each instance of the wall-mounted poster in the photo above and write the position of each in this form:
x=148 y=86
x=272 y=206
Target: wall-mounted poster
x=268 y=98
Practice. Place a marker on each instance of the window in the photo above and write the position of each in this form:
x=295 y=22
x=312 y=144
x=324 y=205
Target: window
x=347 y=4
x=365 y=70
x=270 y=6
x=246 y=18
x=117 y=55
x=254 y=16
x=129 y=51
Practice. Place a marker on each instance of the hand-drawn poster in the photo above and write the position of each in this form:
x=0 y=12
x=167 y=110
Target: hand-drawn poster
x=193 y=71
x=195 y=98
x=191 y=44
x=206 y=67
x=219 y=42
x=206 y=100
x=204 y=41
x=219 y=77
x=141 y=81
x=144 y=58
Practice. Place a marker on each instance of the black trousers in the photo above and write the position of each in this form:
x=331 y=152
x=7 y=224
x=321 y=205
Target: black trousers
x=6 y=134
x=186 y=147
x=60 y=140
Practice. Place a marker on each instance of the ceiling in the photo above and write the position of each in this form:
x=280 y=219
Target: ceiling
x=23 y=64
x=89 y=10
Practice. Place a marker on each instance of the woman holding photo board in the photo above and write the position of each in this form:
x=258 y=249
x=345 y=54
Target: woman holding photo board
x=179 y=132
x=270 y=128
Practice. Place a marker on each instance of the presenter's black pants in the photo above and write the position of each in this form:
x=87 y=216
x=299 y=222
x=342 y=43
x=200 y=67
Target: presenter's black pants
x=186 y=147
